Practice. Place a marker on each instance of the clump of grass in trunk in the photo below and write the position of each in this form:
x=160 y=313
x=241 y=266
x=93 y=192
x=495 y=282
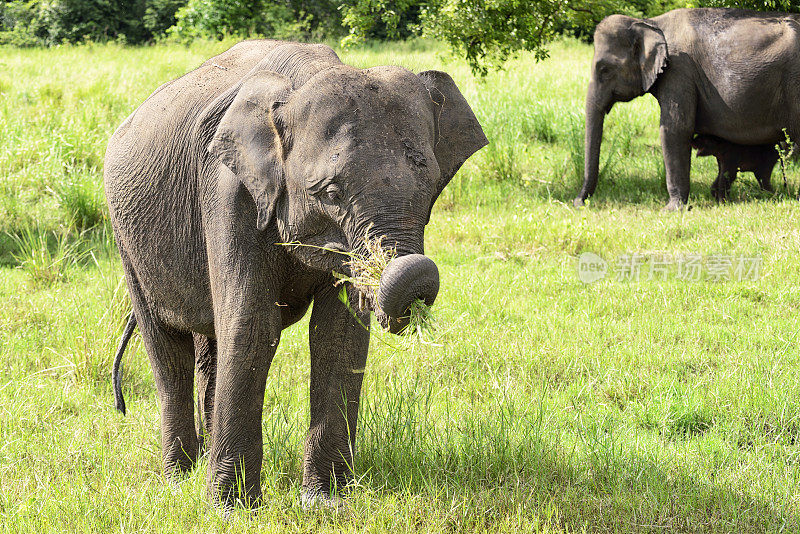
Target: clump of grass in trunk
x=422 y=321
x=366 y=268
x=368 y=265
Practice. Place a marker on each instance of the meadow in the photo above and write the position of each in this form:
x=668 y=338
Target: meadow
x=546 y=404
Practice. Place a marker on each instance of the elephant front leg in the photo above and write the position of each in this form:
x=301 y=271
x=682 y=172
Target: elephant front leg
x=245 y=348
x=247 y=325
x=677 y=160
x=338 y=355
x=677 y=128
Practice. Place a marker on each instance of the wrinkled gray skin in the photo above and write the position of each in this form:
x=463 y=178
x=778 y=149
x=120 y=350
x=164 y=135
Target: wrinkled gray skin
x=732 y=158
x=724 y=72
x=272 y=143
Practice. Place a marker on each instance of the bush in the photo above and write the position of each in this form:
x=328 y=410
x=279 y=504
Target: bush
x=34 y=22
x=274 y=19
x=20 y=24
x=92 y=20
x=380 y=19
x=159 y=16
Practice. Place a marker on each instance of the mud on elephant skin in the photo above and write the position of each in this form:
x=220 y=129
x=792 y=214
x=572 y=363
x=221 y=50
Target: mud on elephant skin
x=266 y=144
x=732 y=158
x=729 y=73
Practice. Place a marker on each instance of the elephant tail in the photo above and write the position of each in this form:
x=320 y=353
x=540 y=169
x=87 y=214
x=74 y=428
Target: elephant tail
x=116 y=372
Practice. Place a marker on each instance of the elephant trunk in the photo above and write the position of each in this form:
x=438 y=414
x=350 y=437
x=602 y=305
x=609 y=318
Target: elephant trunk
x=406 y=279
x=595 y=117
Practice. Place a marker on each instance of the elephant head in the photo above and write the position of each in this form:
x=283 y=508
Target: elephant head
x=348 y=154
x=629 y=55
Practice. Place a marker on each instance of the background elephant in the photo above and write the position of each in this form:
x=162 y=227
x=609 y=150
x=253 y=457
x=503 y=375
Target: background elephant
x=725 y=72
x=732 y=158
x=266 y=144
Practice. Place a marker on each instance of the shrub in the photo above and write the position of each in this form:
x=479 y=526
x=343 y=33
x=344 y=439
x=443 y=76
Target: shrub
x=274 y=19
x=82 y=202
x=46 y=257
x=159 y=15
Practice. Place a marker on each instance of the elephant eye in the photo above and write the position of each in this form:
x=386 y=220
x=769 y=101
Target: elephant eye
x=333 y=192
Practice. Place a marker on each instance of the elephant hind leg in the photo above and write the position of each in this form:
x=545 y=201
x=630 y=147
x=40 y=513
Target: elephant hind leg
x=205 y=355
x=764 y=177
x=172 y=360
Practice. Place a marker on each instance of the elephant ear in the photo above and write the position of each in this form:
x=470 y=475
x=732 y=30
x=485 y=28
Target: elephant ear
x=458 y=134
x=651 y=48
x=251 y=139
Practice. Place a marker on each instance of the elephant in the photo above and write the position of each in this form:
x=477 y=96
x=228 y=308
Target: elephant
x=235 y=192
x=730 y=73
x=732 y=158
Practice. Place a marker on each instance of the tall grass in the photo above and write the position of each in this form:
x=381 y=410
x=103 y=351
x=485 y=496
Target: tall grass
x=46 y=257
x=81 y=201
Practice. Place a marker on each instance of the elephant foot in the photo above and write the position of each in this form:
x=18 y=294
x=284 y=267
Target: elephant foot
x=177 y=465
x=674 y=205
x=320 y=500
x=228 y=494
x=226 y=503
x=578 y=202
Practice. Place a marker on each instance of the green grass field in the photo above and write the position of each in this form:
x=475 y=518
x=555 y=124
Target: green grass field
x=550 y=405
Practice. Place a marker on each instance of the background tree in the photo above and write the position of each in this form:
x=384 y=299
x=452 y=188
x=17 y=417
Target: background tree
x=487 y=32
x=484 y=32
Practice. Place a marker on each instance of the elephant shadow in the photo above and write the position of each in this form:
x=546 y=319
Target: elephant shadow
x=636 y=188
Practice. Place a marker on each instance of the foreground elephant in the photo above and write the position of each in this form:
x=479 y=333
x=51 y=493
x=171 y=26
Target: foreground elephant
x=267 y=144
x=732 y=158
x=724 y=72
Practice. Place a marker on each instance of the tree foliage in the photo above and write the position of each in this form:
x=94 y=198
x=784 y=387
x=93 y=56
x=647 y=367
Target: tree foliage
x=788 y=6
x=485 y=32
x=52 y=22
x=159 y=15
x=380 y=19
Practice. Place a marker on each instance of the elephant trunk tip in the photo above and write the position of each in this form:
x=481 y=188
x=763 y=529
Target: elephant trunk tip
x=405 y=280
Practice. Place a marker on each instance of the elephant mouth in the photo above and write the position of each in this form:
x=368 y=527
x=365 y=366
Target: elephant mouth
x=335 y=248
x=320 y=253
